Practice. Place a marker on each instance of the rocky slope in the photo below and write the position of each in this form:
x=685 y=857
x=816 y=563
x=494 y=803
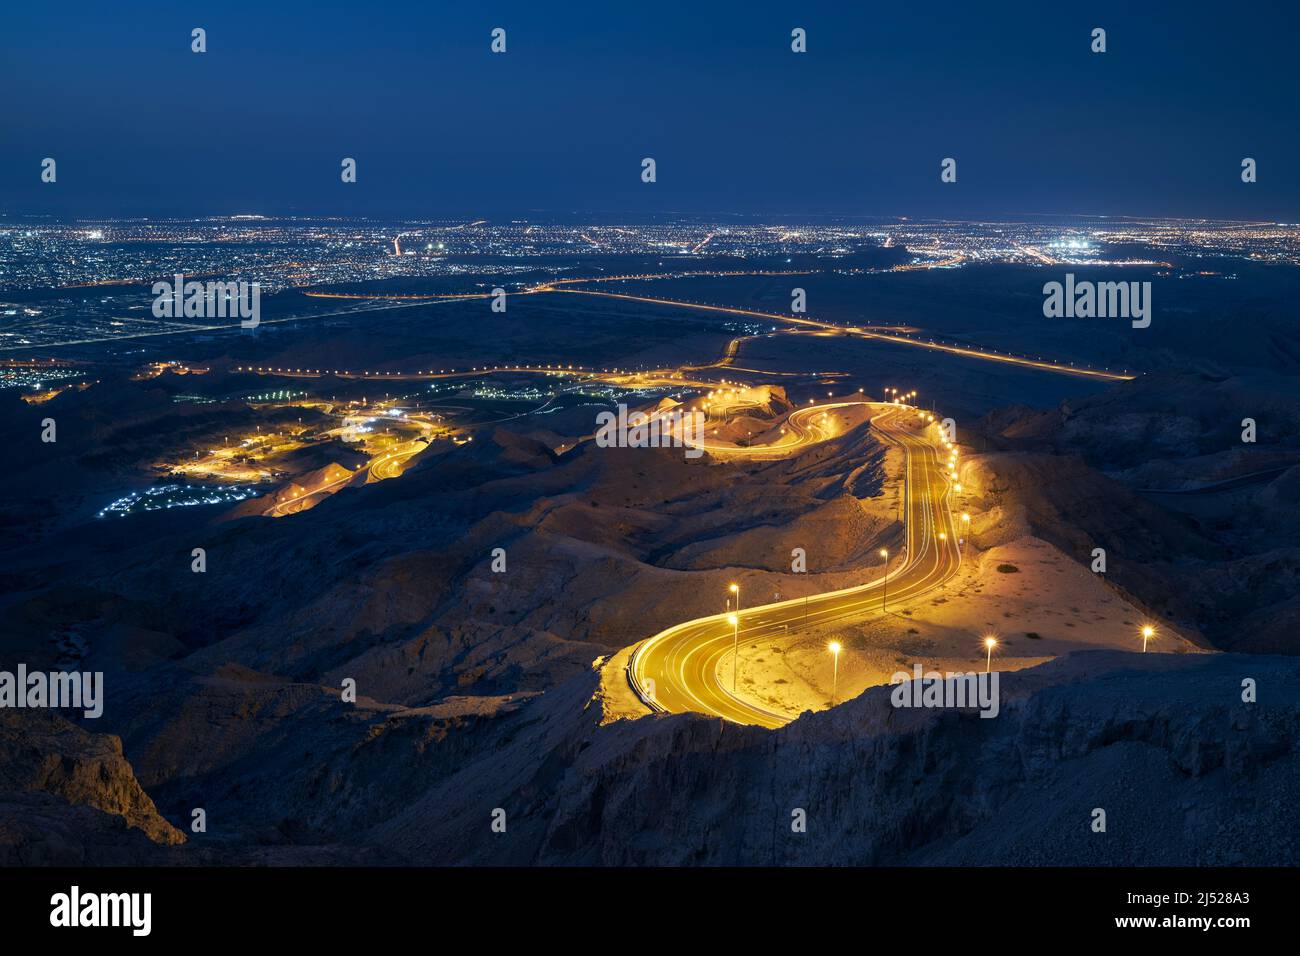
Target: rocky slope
x=1186 y=772
x=62 y=765
x=225 y=686
x=1198 y=526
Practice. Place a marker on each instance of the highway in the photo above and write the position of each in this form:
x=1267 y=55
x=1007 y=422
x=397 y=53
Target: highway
x=677 y=670
x=879 y=333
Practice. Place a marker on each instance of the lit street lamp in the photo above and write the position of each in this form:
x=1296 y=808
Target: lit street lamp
x=735 y=589
x=965 y=530
x=884 y=597
x=990 y=642
x=834 y=648
x=734 y=621
x=1148 y=632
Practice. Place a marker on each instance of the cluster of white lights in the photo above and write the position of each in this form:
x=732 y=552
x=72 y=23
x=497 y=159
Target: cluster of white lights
x=163 y=497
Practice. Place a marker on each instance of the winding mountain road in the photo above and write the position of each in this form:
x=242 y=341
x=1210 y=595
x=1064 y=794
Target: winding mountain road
x=677 y=670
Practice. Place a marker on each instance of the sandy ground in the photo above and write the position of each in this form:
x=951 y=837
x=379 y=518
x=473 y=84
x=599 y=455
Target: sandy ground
x=617 y=701
x=1048 y=607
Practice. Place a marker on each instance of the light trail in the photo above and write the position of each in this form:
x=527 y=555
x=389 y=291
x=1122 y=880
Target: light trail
x=868 y=332
x=681 y=664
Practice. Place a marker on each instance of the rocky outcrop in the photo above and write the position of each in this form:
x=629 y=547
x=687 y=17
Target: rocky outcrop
x=42 y=752
x=41 y=829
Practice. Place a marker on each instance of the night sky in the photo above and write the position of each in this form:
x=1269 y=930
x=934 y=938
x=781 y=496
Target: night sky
x=738 y=124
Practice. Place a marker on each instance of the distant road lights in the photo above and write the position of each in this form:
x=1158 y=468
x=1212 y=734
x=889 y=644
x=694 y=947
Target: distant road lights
x=1148 y=632
x=834 y=648
x=734 y=621
x=990 y=642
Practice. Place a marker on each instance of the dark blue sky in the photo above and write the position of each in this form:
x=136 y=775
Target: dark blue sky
x=737 y=123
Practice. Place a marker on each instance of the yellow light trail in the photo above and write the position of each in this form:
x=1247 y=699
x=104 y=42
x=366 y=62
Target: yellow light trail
x=681 y=663
x=862 y=332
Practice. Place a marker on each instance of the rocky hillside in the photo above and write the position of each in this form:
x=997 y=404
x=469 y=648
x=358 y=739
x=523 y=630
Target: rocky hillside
x=225 y=686
x=1198 y=526
x=1186 y=772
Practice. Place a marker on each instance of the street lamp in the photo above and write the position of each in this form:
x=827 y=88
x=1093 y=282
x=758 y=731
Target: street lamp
x=834 y=648
x=1148 y=632
x=735 y=589
x=990 y=642
x=965 y=530
x=734 y=621
x=884 y=598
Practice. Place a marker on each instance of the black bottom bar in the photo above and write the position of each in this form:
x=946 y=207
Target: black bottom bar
x=584 y=907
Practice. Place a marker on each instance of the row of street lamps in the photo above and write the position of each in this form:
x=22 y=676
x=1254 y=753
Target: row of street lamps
x=989 y=641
